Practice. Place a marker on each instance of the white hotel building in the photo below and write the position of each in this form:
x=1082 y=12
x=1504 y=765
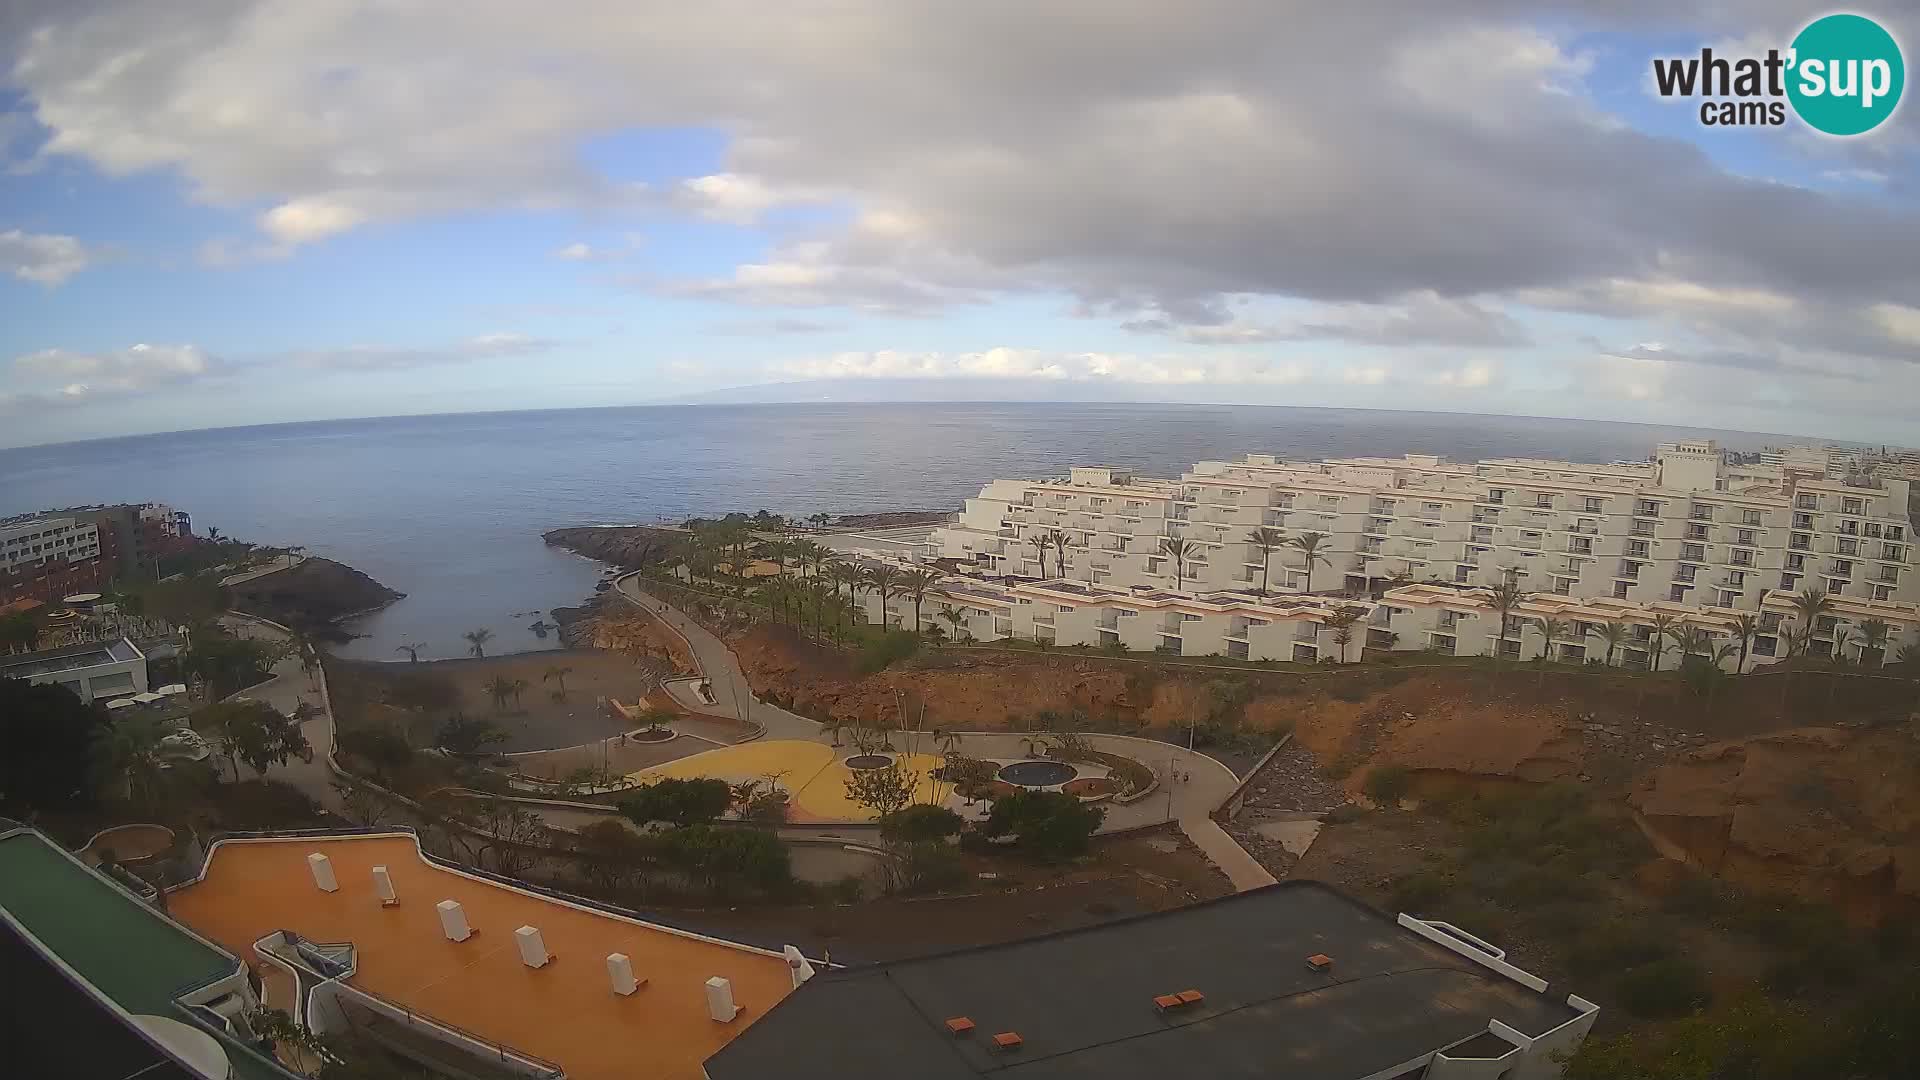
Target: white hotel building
x=1686 y=535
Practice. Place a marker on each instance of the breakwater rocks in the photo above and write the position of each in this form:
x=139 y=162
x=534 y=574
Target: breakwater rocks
x=314 y=594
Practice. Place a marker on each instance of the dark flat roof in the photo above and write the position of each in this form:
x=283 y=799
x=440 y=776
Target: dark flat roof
x=1082 y=1001
x=52 y=1027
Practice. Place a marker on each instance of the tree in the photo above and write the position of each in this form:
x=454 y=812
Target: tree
x=652 y=719
x=514 y=688
x=956 y=618
x=681 y=803
x=1659 y=632
x=1681 y=633
x=1060 y=540
x=213 y=534
x=886 y=790
x=1873 y=639
x=1179 y=550
x=882 y=579
x=1268 y=541
x=412 y=649
x=499 y=688
x=841 y=573
x=477 y=641
x=383 y=751
x=1809 y=605
x=1045 y=824
x=725 y=860
x=253 y=732
x=46 y=735
x=1613 y=632
x=129 y=750
x=459 y=735
x=615 y=856
x=1308 y=544
x=1550 y=629
x=915 y=583
x=1342 y=620
x=1040 y=544
x=229 y=663
x=19 y=632
x=1505 y=597
x=1746 y=627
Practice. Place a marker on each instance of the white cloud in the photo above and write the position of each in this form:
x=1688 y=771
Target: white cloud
x=62 y=377
x=1042 y=366
x=46 y=258
x=576 y=252
x=397 y=357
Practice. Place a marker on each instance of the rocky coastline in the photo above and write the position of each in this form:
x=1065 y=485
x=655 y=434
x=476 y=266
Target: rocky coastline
x=313 y=596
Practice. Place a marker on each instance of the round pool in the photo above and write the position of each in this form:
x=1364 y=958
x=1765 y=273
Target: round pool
x=1038 y=774
x=863 y=762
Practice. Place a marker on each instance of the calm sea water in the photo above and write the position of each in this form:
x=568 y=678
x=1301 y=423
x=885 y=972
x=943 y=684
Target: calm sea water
x=449 y=509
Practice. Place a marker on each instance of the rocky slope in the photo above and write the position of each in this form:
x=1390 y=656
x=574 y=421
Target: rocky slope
x=1822 y=813
x=629 y=547
x=312 y=595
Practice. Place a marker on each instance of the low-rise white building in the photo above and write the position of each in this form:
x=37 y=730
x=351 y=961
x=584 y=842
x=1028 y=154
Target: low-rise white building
x=93 y=670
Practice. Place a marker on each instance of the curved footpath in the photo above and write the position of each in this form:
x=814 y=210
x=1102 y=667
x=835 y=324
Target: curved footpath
x=1192 y=785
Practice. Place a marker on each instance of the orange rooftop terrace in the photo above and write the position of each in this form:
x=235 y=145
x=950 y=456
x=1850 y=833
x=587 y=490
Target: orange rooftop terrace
x=565 y=1011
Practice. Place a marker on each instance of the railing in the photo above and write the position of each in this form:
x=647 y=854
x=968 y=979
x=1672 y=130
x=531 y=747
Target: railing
x=452 y=1034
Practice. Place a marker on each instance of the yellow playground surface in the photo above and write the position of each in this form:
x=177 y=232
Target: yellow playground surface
x=810 y=772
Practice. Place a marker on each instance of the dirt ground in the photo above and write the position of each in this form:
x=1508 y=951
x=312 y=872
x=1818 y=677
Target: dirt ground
x=1131 y=875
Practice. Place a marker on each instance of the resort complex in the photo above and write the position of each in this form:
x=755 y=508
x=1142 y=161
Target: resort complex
x=1263 y=559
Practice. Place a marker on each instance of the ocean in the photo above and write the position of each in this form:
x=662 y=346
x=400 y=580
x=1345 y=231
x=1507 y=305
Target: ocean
x=449 y=509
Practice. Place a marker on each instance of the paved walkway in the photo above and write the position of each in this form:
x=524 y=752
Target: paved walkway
x=721 y=668
x=1224 y=852
x=286 y=691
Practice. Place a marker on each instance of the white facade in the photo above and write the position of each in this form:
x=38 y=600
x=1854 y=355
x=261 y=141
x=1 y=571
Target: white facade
x=95 y=670
x=1685 y=528
x=40 y=540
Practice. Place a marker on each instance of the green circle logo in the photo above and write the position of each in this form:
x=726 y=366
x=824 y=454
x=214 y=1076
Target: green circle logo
x=1846 y=75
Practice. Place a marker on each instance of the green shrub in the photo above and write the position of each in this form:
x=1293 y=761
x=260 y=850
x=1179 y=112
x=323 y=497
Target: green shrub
x=888 y=648
x=1045 y=824
x=1387 y=785
x=917 y=824
x=1617 y=944
x=1664 y=988
x=1419 y=891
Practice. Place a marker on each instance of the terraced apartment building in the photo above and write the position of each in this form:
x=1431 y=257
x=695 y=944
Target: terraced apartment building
x=1690 y=534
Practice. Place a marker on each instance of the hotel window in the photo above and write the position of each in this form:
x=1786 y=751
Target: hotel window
x=1728 y=599
x=1595 y=505
x=1696 y=532
x=1543 y=501
x=1743 y=537
x=1883 y=592
x=1807 y=502
x=1619 y=590
x=1848 y=547
x=1853 y=506
x=1700 y=513
x=1836 y=585
x=1677 y=594
x=1803 y=521
x=1647 y=508
x=1895 y=532
x=1693 y=552
x=1637 y=548
x=1749 y=517
x=1789 y=582
x=1496 y=495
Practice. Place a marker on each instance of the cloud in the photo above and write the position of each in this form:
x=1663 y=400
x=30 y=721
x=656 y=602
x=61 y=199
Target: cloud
x=366 y=358
x=761 y=327
x=582 y=251
x=1423 y=318
x=68 y=378
x=46 y=258
x=1043 y=366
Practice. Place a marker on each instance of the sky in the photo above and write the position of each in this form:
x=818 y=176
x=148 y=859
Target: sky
x=224 y=212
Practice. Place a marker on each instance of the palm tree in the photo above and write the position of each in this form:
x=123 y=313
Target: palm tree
x=1550 y=628
x=1746 y=627
x=1505 y=597
x=1266 y=540
x=1613 y=632
x=957 y=619
x=499 y=688
x=412 y=649
x=213 y=533
x=915 y=583
x=558 y=673
x=1059 y=539
x=842 y=573
x=1873 y=639
x=882 y=579
x=1682 y=635
x=1342 y=621
x=1179 y=551
x=1809 y=605
x=130 y=749
x=1040 y=543
x=477 y=641
x=1662 y=626
x=1309 y=545
x=514 y=687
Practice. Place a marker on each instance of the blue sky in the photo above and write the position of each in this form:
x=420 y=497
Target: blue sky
x=236 y=213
